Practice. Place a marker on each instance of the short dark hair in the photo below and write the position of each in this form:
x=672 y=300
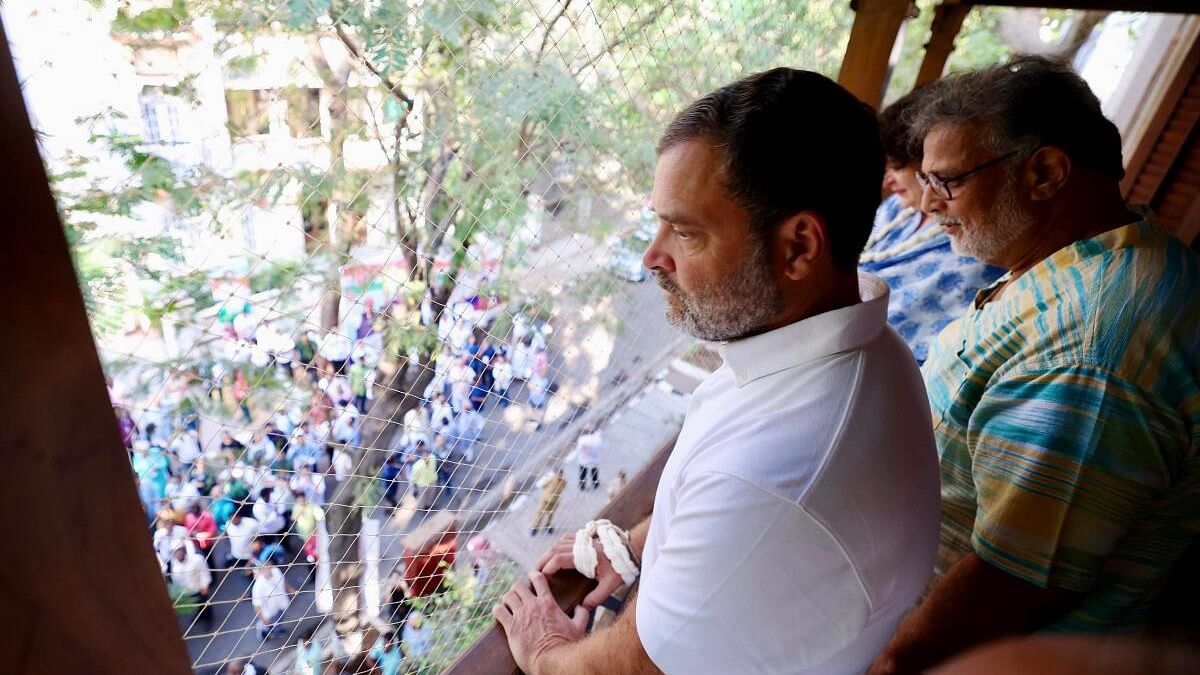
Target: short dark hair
x=1028 y=103
x=793 y=141
x=900 y=146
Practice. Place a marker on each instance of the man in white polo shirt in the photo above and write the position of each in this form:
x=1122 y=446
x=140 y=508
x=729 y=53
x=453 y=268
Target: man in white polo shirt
x=796 y=520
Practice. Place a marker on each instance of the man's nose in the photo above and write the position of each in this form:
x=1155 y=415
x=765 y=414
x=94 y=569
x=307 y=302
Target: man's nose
x=656 y=256
x=931 y=202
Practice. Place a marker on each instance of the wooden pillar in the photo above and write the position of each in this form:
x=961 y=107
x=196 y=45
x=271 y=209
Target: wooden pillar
x=947 y=22
x=865 y=67
x=80 y=590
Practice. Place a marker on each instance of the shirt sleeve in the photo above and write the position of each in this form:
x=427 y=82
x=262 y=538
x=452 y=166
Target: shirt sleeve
x=1065 y=460
x=746 y=582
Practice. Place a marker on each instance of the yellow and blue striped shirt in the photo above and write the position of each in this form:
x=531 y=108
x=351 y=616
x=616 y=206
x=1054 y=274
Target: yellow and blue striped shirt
x=1067 y=418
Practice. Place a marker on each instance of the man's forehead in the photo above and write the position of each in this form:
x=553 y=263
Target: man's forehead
x=950 y=145
x=687 y=181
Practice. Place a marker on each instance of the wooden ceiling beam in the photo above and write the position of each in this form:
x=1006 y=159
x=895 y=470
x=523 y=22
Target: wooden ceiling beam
x=1161 y=6
x=865 y=67
x=947 y=22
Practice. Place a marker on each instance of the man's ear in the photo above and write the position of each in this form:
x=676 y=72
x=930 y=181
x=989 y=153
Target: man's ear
x=1046 y=172
x=800 y=241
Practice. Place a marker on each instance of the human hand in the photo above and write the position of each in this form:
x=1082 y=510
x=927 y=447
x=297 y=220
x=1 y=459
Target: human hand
x=533 y=622
x=561 y=556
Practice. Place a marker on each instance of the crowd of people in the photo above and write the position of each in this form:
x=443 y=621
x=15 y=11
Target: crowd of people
x=259 y=478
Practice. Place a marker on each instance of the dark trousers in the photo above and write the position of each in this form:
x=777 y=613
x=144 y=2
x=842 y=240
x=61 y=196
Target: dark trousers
x=583 y=472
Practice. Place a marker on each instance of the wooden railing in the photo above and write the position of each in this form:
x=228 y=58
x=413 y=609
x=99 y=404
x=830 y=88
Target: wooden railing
x=489 y=655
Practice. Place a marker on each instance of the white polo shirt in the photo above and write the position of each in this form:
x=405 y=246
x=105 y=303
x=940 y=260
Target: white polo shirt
x=797 y=518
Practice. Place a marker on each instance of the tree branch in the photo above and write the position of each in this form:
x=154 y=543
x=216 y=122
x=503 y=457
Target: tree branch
x=541 y=52
x=629 y=32
x=356 y=52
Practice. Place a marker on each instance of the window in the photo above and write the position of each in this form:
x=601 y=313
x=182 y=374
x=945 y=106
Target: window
x=249 y=111
x=160 y=119
x=303 y=112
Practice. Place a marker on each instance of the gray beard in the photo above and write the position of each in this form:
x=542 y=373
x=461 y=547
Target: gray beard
x=731 y=308
x=1003 y=225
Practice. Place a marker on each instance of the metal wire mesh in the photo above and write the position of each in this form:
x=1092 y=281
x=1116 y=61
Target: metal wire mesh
x=363 y=274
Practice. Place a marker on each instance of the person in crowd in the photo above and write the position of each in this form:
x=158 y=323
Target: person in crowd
x=416 y=430
x=441 y=415
x=502 y=379
x=241 y=395
x=358 y=385
x=306 y=517
x=301 y=451
x=215 y=383
x=265 y=511
x=149 y=498
x=417 y=637
x=169 y=535
x=202 y=474
x=261 y=449
x=310 y=483
x=335 y=349
x=469 y=428
x=271 y=594
x=345 y=427
x=442 y=453
x=386 y=654
x=283 y=423
x=279 y=463
x=931 y=284
x=221 y=506
x=522 y=357
x=310 y=656
x=481 y=388
x=552 y=492
x=152 y=469
x=483 y=557
x=188 y=571
x=201 y=527
x=180 y=495
x=281 y=494
x=1064 y=401
x=539 y=392
x=266 y=549
x=129 y=430
x=337 y=388
x=765 y=191
x=423 y=476
x=231 y=445
x=274 y=434
x=617 y=485
x=462 y=377
x=152 y=436
x=306 y=351
x=241 y=531
x=186 y=448
x=389 y=478
x=343 y=464
x=587 y=453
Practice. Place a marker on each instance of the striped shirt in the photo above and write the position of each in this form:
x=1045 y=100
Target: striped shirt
x=1067 y=418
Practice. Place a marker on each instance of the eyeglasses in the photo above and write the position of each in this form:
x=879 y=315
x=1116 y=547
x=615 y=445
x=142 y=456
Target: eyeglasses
x=941 y=185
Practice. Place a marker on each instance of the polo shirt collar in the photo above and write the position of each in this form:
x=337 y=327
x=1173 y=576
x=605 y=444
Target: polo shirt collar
x=815 y=337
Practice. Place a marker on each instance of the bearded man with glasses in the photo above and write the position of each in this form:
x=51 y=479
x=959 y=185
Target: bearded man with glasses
x=1066 y=403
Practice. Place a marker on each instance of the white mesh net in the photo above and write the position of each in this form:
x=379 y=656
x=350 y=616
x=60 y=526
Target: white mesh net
x=362 y=274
